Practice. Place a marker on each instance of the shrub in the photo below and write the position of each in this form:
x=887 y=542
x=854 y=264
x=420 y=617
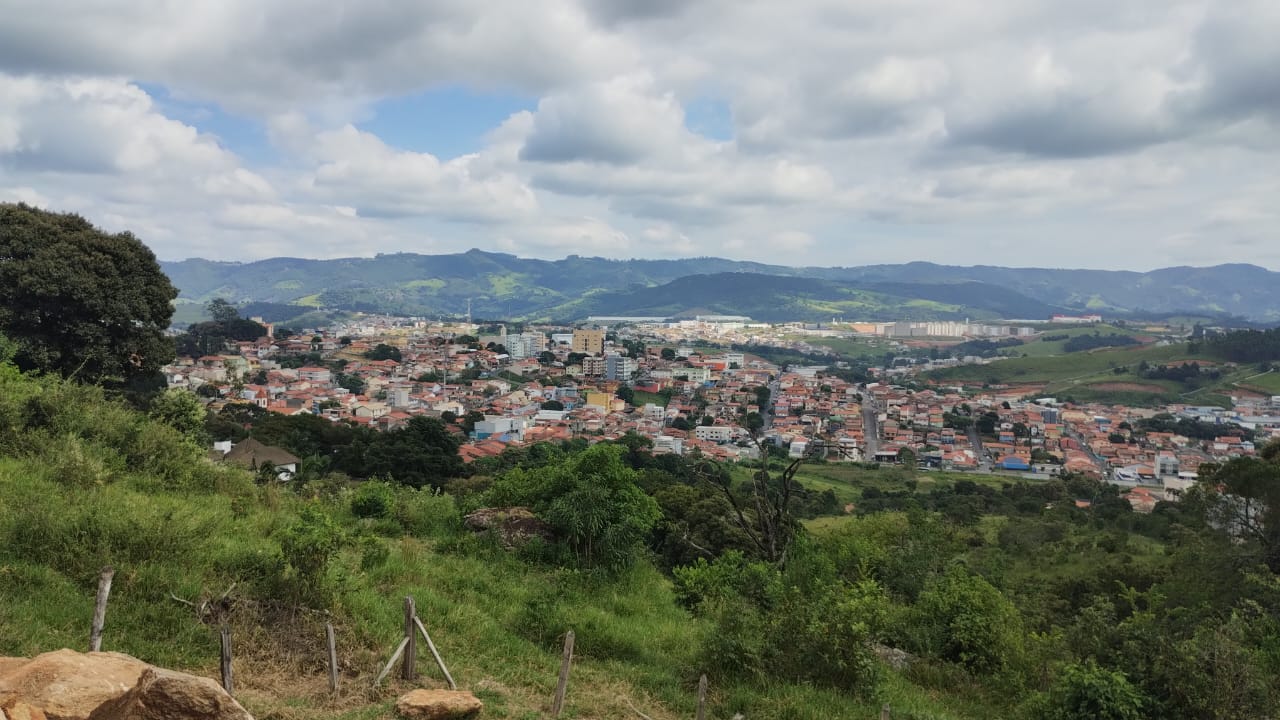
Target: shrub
x=1088 y=692
x=309 y=544
x=962 y=618
x=373 y=499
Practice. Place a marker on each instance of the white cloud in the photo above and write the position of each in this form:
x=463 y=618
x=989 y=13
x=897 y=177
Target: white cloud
x=358 y=169
x=826 y=131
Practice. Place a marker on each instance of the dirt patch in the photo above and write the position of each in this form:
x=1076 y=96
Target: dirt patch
x=1127 y=387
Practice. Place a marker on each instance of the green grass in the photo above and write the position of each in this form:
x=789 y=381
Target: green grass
x=1041 y=348
x=641 y=398
x=847 y=347
x=1269 y=382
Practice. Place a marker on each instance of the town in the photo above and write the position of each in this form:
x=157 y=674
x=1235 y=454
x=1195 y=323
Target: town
x=681 y=385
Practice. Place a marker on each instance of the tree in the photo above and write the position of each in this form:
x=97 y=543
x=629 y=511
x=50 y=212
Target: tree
x=907 y=457
x=222 y=311
x=591 y=500
x=382 y=351
x=627 y=394
x=421 y=453
x=762 y=396
x=211 y=336
x=182 y=410
x=668 y=353
x=552 y=405
x=79 y=301
x=1248 y=503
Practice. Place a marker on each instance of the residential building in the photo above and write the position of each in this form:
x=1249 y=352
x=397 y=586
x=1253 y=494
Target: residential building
x=593 y=365
x=590 y=342
x=619 y=367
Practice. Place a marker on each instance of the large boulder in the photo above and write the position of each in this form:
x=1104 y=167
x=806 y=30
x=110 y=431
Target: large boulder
x=514 y=526
x=438 y=705
x=22 y=711
x=68 y=685
x=166 y=695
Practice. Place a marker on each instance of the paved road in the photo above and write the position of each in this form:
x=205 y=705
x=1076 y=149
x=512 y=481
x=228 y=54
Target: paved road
x=975 y=441
x=767 y=412
x=870 y=426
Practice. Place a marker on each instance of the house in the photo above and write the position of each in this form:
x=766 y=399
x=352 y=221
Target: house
x=253 y=455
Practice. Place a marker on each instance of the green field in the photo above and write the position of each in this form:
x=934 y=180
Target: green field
x=851 y=348
x=1269 y=382
x=1070 y=368
x=642 y=398
x=1040 y=348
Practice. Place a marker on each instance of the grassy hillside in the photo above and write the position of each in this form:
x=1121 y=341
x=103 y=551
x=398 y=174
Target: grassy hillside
x=85 y=482
x=1114 y=375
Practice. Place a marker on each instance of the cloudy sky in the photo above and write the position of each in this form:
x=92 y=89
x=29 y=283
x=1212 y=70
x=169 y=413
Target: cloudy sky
x=1093 y=133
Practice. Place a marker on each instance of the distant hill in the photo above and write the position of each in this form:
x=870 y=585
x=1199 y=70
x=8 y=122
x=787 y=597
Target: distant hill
x=505 y=286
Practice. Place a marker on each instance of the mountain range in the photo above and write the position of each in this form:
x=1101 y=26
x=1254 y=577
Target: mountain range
x=497 y=285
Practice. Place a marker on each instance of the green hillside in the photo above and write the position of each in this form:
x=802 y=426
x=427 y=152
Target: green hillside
x=504 y=286
x=1003 y=604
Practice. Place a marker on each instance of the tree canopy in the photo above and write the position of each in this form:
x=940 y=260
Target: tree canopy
x=79 y=301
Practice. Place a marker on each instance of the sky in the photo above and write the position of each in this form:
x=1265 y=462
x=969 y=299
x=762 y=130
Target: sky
x=1123 y=134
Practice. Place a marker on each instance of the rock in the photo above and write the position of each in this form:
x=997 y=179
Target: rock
x=438 y=705
x=23 y=711
x=168 y=695
x=893 y=657
x=514 y=526
x=69 y=685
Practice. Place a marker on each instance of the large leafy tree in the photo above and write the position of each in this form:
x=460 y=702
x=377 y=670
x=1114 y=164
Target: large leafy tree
x=79 y=301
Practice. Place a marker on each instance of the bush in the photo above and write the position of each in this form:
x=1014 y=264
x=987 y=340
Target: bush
x=1089 y=692
x=964 y=619
x=427 y=512
x=309 y=544
x=373 y=499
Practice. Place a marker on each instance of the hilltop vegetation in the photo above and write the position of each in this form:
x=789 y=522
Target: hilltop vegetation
x=500 y=285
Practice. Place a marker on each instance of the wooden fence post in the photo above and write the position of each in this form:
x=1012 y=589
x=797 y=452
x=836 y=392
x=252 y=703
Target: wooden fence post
x=100 y=608
x=563 y=685
x=884 y=712
x=435 y=654
x=409 y=670
x=702 y=698
x=330 y=641
x=228 y=683
x=391 y=663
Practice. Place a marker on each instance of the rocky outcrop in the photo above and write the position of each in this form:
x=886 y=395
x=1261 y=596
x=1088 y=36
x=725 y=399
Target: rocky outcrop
x=893 y=657
x=514 y=526
x=164 y=694
x=67 y=685
x=438 y=705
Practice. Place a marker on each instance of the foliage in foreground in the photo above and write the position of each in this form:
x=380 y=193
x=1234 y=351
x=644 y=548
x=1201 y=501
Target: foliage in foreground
x=1038 y=613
